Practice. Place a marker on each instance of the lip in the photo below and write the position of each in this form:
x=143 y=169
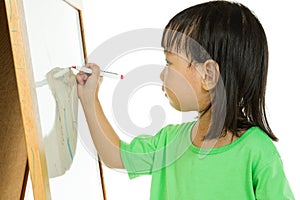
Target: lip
x=163 y=89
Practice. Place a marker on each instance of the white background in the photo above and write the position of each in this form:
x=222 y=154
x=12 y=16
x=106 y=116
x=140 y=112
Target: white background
x=104 y=19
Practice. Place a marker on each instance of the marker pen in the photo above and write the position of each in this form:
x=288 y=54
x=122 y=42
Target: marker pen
x=102 y=73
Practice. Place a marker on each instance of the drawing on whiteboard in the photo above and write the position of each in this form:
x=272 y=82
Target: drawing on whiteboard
x=60 y=143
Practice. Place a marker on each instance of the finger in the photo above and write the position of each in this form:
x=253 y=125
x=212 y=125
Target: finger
x=80 y=73
x=95 y=68
x=80 y=80
x=84 y=77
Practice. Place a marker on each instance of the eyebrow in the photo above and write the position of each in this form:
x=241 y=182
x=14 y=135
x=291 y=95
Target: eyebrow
x=168 y=52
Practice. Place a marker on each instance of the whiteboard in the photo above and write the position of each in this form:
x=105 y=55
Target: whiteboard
x=55 y=41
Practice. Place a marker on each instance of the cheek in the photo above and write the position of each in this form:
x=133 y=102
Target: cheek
x=173 y=82
x=177 y=82
x=180 y=91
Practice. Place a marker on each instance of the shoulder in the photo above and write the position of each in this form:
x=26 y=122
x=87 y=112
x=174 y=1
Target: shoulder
x=261 y=148
x=182 y=127
x=172 y=130
x=164 y=135
x=260 y=141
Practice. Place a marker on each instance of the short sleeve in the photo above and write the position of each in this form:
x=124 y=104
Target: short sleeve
x=271 y=183
x=138 y=155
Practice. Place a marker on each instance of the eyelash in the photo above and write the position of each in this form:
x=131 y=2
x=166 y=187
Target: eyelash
x=167 y=63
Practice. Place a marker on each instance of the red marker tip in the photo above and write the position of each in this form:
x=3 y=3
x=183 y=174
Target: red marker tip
x=122 y=77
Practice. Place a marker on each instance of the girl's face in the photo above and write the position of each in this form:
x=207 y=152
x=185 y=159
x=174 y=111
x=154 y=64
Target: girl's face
x=182 y=84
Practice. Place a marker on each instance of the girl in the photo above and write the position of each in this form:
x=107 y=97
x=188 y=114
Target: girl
x=217 y=62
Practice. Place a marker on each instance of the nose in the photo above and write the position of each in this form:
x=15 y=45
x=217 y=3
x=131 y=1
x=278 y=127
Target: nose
x=162 y=74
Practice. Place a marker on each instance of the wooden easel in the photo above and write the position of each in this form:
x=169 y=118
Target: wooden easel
x=21 y=142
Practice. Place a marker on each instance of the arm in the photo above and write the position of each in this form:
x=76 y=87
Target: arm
x=104 y=137
x=271 y=183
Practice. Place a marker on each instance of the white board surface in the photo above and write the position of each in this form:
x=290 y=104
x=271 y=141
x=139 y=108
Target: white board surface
x=55 y=41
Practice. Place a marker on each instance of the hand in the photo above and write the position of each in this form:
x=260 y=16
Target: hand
x=88 y=84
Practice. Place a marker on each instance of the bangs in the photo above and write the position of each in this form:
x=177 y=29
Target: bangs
x=178 y=39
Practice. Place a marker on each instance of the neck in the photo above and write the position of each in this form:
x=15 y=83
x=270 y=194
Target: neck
x=201 y=127
x=200 y=130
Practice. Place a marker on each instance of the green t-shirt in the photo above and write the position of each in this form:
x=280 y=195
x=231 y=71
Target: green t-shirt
x=248 y=168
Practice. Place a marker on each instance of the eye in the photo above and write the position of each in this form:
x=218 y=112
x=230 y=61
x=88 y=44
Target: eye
x=167 y=63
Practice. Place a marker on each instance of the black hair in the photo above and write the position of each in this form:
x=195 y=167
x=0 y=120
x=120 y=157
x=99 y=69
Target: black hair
x=230 y=34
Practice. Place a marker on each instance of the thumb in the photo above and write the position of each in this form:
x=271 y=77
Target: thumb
x=95 y=68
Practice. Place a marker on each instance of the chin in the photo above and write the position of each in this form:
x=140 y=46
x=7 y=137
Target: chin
x=179 y=108
x=175 y=106
x=183 y=109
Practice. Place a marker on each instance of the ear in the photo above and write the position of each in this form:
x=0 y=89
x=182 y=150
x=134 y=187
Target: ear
x=210 y=74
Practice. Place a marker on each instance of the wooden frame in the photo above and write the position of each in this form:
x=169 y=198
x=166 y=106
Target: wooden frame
x=26 y=116
x=21 y=142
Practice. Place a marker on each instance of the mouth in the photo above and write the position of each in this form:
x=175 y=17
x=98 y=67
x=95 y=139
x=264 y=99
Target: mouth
x=163 y=89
